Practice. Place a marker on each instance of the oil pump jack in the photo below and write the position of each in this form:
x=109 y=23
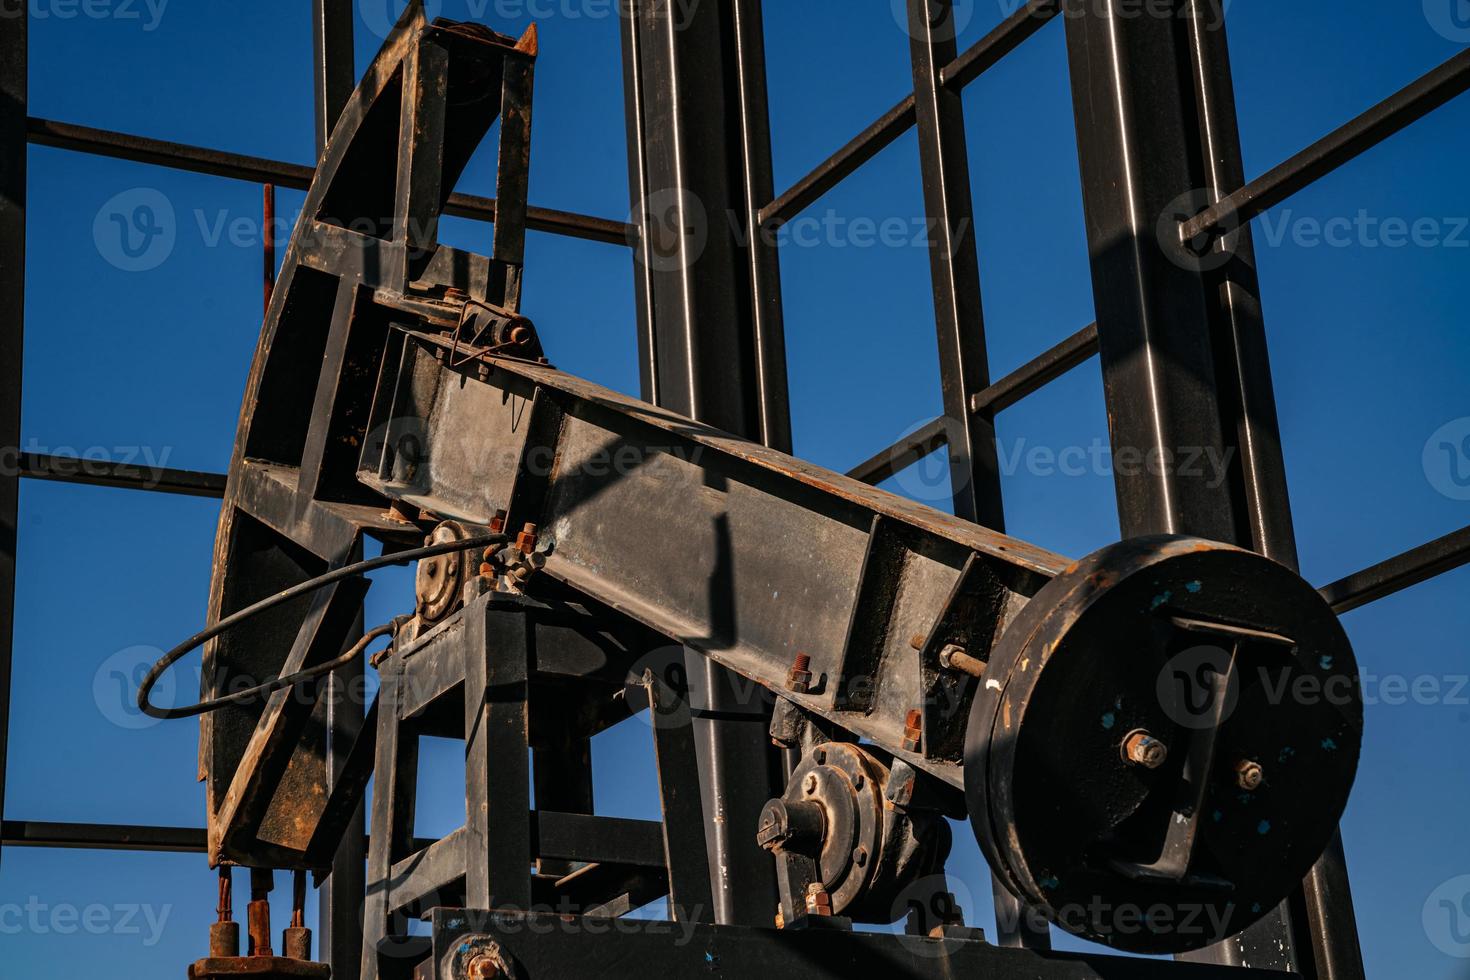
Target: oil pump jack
x=1112 y=729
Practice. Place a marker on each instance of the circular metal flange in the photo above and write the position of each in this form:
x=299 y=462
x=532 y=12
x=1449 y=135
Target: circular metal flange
x=848 y=784
x=439 y=581
x=1164 y=743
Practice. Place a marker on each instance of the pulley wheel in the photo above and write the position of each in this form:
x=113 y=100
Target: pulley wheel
x=1164 y=743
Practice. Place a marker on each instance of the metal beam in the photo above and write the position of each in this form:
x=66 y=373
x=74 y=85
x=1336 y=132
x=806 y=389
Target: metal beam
x=125 y=476
x=710 y=343
x=1183 y=348
x=954 y=265
x=13 y=94
x=333 y=73
x=259 y=170
x=956 y=75
x=1343 y=145
x=1400 y=572
x=102 y=837
x=1025 y=380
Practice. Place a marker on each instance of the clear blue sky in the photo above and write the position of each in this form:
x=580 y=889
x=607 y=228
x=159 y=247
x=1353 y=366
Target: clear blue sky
x=1369 y=342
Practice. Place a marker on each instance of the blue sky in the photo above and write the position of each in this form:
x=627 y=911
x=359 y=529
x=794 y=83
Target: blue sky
x=1369 y=343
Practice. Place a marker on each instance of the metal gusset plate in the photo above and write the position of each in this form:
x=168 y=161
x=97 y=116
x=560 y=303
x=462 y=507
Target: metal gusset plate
x=1164 y=743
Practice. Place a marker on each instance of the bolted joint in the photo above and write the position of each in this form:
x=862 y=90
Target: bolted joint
x=954 y=657
x=1142 y=749
x=913 y=730
x=818 y=900
x=799 y=678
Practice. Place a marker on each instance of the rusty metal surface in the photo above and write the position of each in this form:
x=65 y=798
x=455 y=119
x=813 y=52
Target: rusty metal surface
x=1106 y=751
x=264 y=967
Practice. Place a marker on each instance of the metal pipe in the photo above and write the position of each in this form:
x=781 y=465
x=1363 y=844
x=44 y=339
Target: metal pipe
x=1393 y=114
x=13 y=94
x=1400 y=572
x=125 y=476
x=258 y=170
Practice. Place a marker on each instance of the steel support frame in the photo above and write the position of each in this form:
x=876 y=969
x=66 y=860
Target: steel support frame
x=711 y=343
x=1183 y=348
x=959 y=317
x=13 y=95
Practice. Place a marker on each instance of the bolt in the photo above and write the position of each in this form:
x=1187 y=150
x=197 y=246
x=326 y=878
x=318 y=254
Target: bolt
x=917 y=641
x=954 y=657
x=818 y=901
x=799 y=679
x=484 y=968
x=1249 y=775
x=526 y=540
x=1142 y=749
x=810 y=786
x=860 y=856
x=497 y=523
x=913 y=730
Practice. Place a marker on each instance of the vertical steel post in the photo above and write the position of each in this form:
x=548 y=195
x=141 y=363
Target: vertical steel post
x=1324 y=918
x=333 y=72
x=13 y=95
x=340 y=899
x=954 y=265
x=710 y=340
x=1183 y=348
x=959 y=317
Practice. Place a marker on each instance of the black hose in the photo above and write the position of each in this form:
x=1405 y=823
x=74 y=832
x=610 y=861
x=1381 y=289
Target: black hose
x=311 y=585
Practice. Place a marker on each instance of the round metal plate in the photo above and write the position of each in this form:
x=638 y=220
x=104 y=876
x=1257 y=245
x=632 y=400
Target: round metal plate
x=1242 y=672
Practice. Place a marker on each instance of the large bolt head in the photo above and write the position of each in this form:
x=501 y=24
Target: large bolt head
x=1142 y=749
x=1249 y=775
